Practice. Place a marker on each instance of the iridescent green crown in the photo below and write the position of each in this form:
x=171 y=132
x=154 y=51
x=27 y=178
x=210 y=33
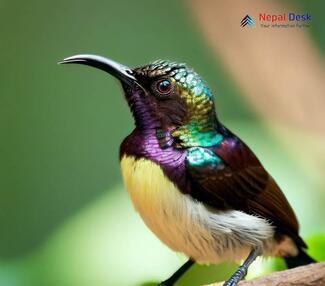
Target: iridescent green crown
x=183 y=75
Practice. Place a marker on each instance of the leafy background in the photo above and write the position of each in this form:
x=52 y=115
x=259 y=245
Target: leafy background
x=64 y=215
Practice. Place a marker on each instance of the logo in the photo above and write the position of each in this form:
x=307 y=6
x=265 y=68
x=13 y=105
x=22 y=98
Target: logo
x=280 y=20
x=247 y=20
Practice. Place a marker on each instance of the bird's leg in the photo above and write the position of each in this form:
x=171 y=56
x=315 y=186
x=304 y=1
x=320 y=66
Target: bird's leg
x=242 y=270
x=172 y=279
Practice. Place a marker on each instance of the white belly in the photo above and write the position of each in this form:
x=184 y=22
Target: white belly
x=186 y=225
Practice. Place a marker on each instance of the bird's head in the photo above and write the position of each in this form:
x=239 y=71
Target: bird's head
x=164 y=96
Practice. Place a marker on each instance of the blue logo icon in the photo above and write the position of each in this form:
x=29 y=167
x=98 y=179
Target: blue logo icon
x=247 y=20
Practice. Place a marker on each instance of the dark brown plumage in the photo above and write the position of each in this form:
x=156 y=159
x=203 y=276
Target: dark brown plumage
x=243 y=184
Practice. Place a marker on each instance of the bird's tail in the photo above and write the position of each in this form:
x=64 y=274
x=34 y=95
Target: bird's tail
x=301 y=259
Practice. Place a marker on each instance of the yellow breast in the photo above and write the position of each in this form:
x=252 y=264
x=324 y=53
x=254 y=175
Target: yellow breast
x=165 y=210
x=157 y=200
x=185 y=224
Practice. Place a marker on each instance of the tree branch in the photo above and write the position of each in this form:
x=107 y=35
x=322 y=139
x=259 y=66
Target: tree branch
x=310 y=275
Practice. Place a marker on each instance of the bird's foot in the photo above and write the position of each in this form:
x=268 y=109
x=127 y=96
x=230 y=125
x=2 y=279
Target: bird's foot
x=230 y=282
x=236 y=277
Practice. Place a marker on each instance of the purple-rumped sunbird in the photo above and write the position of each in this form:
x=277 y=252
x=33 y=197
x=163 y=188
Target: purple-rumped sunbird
x=195 y=184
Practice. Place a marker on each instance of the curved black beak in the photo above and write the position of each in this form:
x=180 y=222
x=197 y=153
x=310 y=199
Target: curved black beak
x=121 y=72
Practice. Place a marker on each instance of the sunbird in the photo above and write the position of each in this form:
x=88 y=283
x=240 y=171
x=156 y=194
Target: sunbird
x=197 y=186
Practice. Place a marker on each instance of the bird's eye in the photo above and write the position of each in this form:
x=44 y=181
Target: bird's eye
x=163 y=87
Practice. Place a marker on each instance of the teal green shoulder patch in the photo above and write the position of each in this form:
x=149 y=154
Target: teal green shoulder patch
x=199 y=156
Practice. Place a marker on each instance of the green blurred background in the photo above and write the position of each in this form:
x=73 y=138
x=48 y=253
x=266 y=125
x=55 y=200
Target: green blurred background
x=64 y=215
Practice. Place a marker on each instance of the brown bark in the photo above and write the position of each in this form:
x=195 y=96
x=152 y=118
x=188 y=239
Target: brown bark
x=310 y=275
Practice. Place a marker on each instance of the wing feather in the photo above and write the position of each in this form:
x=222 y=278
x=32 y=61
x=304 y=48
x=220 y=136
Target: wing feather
x=242 y=183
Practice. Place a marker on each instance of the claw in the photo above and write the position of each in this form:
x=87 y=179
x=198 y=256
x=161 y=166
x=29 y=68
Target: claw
x=230 y=282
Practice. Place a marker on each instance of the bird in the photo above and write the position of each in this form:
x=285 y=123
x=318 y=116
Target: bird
x=197 y=186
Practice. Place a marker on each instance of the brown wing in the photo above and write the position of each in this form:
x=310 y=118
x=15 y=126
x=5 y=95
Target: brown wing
x=242 y=183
